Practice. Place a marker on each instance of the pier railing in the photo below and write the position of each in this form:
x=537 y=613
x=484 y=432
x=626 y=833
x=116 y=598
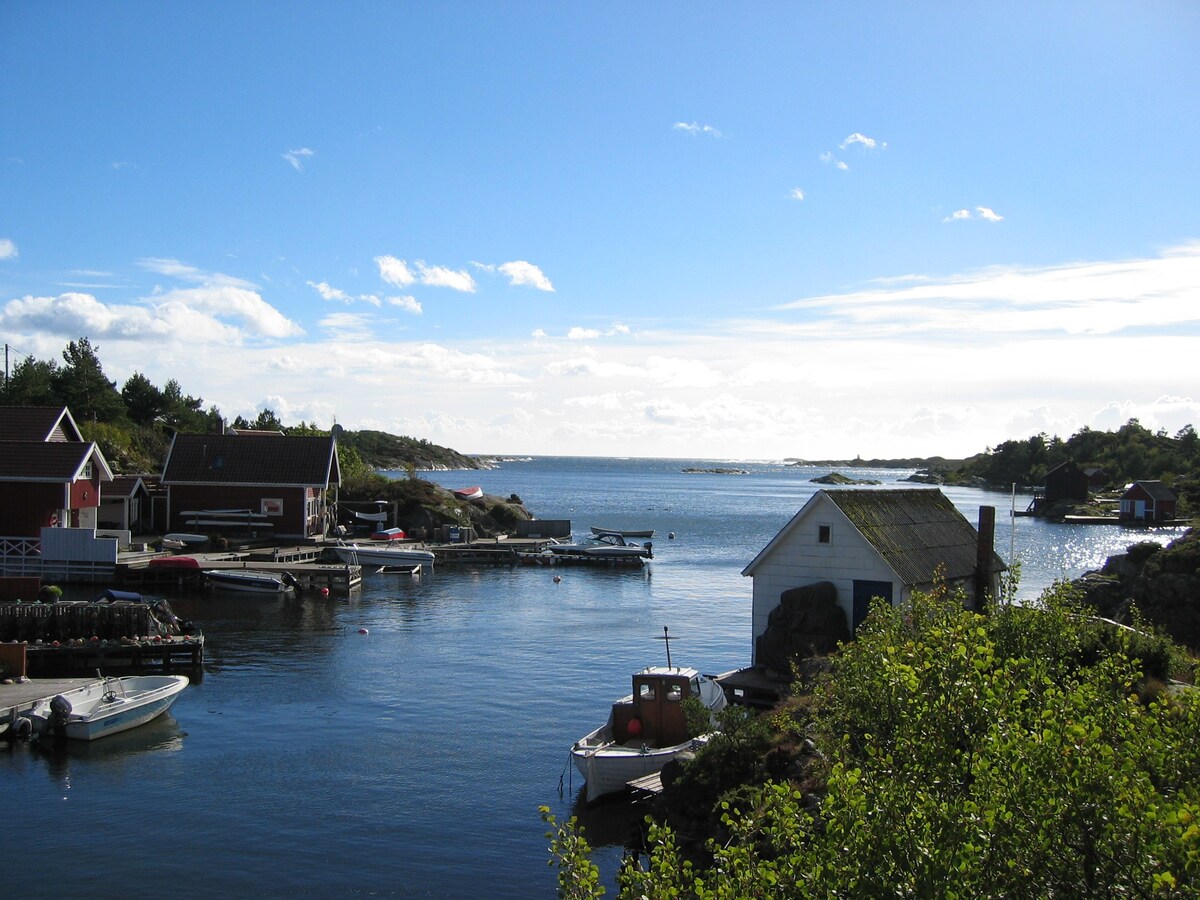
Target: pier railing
x=60 y=554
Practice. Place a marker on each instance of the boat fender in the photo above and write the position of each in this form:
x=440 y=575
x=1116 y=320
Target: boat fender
x=634 y=727
x=23 y=727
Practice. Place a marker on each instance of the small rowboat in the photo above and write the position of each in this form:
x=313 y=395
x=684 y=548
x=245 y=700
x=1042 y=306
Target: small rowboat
x=248 y=580
x=469 y=493
x=624 y=532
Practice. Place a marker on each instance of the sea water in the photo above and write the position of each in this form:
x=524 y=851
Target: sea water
x=399 y=741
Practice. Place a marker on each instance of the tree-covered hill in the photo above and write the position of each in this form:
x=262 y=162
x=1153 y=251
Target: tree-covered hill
x=1131 y=453
x=133 y=424
x=393 y=452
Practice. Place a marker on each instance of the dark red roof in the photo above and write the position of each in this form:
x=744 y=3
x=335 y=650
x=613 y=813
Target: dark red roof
x=36 y=423
x=58 y=461
x=230 y=459
x=1155 y=490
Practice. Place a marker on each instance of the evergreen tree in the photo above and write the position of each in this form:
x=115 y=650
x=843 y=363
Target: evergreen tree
x=83 y=386
x=32 y=383
x=143 y=401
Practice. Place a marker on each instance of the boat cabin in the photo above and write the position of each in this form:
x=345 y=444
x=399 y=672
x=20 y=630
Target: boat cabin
x=654 y=714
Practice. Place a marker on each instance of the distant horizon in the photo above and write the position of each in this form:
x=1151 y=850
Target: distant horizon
x=700 y=232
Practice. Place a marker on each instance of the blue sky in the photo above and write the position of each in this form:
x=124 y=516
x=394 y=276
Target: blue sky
x=711 y=230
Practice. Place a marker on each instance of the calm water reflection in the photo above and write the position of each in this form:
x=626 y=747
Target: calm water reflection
x=410 y=761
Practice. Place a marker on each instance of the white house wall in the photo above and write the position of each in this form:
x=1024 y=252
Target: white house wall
x=799 y=559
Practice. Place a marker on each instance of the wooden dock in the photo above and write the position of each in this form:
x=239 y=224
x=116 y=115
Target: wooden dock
x=166 y=654
x=302 y=564
x=18 y=698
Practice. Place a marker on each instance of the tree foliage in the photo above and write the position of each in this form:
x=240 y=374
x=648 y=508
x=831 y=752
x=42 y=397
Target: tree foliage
x=1130 y=453
x=969 y=756
x=132 y=426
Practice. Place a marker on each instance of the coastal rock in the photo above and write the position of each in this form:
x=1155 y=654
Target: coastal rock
x=924 y=476
x=1162 y=582
x=839 y=478
x=806 y=623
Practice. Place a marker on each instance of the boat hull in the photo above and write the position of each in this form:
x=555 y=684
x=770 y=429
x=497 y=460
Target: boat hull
x=248 y=582
x=608 y=767
x=390 y=556
x=112 y=706
x=623 y=532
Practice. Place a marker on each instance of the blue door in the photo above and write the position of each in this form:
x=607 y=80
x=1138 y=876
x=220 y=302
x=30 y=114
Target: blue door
x=863 y=592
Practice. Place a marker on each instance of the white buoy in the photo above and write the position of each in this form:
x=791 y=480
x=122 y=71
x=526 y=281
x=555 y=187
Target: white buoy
x=557 y=579
x=363 y=631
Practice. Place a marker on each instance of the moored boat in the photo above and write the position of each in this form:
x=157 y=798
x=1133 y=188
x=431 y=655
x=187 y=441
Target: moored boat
x=608 y=545
x=624 y=532
x=248 y=580
x=384 y=555
x=645 y=730
x=107 y=706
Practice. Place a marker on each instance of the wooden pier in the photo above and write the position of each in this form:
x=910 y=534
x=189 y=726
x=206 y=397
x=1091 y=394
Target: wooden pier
x=72 y=637
x=18 y=698
x=180 y=654
x=302 y=564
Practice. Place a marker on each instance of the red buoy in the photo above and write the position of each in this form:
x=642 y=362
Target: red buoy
x=634 y=727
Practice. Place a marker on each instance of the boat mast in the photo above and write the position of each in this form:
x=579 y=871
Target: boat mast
x=666 y=639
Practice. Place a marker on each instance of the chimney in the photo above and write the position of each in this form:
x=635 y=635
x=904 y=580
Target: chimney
x=984 y=555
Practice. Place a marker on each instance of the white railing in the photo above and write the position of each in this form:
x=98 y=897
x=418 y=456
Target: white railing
x=61 y=554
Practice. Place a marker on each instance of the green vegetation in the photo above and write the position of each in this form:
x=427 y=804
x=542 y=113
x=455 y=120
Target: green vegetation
x=133 y=425
x=1130 y=453
x=1034 y=752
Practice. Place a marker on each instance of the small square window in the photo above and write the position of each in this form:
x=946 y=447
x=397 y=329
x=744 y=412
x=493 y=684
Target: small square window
x=823 y=534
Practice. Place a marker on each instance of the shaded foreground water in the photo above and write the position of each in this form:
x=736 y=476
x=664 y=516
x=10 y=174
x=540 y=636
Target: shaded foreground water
x=315 y=760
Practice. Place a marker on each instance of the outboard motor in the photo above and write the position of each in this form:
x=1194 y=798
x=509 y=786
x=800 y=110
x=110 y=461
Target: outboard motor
x=649 y=548
x=60 y=709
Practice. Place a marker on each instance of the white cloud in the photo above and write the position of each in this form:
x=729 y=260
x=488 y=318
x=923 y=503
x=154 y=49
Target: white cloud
x=395 y=271
x=797 y=194
x=985 y=213
x=520 y=272
x=406 y=303
x=296 y=158
x=538 y=334
x=8 y=250
x=172 y=267
x=582 y=334
x=345 y=326
x=229 y=301
x=217 y=297
x=832 y=160
x=695 y=128
x=330 y=293
x=1081 y=298
x=440 y=276
x=857 y=138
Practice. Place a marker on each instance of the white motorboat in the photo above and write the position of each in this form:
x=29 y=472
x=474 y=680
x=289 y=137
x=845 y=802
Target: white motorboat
x=384 y=555
x=607 y=545
x=645 y=730
x=107 y=706
x=250 y=581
